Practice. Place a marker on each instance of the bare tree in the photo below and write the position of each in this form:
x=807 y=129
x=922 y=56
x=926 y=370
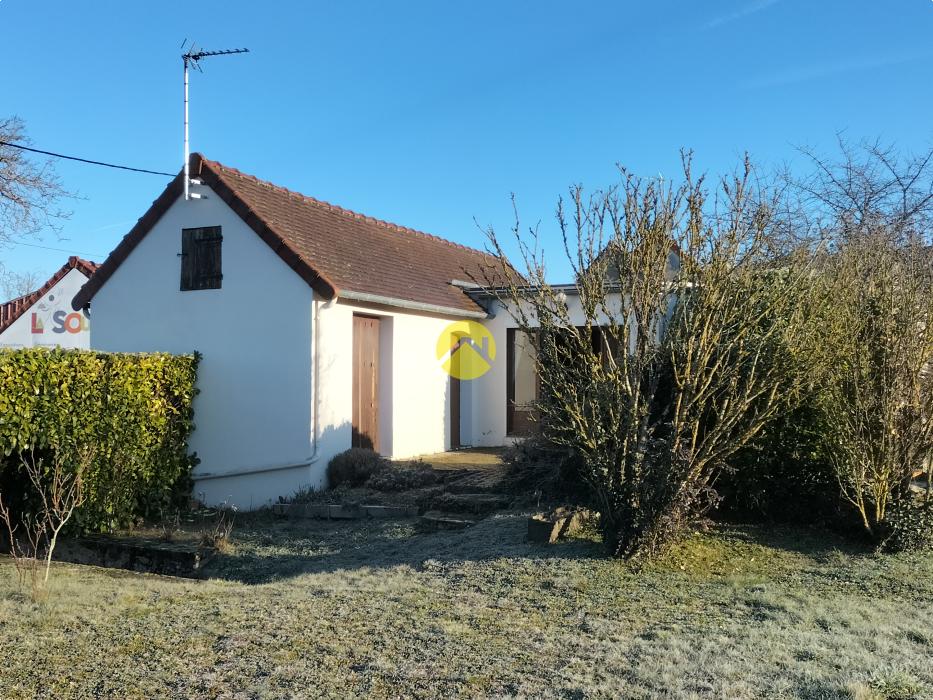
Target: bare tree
x=695 y=313
x=17 y=284
x=873 y=206
x=869 y=188
x=30 y=191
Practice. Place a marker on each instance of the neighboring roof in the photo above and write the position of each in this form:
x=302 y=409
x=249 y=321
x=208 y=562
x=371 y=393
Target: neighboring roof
x=336 y=251
x=13 y=309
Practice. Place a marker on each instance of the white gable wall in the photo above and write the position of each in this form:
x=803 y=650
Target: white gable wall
x=51 y=322
x=254 y=409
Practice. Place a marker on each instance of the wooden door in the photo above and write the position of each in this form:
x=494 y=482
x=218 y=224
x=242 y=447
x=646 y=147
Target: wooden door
x=366 y=382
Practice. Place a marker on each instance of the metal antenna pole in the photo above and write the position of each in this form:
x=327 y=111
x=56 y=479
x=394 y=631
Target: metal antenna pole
x=187 y=154
x=193 y=57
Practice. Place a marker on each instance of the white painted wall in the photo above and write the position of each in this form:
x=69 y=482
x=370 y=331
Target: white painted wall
x=254 y=409
x=51 y=322
x=414 y=415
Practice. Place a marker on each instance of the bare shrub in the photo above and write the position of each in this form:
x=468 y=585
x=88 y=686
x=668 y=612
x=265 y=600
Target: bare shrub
x=56 y=492
x=875 y=208
x=543 y=472
x=354 y=467
x=414 y=475
x=688 y=295
x=879 y=402
x=217 y=535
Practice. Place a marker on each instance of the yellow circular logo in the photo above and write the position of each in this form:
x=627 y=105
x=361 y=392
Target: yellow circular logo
x=466 y=349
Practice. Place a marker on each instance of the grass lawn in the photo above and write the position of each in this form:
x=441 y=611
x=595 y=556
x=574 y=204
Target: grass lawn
x=374 y=609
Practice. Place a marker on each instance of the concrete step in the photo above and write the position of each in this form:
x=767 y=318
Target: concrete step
x=472 y=503
x=435 y=520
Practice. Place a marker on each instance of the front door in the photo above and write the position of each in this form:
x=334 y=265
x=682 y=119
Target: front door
x=366 y=382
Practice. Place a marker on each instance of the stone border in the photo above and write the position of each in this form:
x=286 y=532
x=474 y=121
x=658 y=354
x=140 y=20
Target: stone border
x=336 y=511
x=144 y=555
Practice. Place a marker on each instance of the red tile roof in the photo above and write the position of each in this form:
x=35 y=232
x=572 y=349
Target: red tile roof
x=13 y=309
x=334 y=250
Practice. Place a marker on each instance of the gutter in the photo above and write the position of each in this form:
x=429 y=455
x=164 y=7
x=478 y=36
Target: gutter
x=315 y=424
x=413 y=305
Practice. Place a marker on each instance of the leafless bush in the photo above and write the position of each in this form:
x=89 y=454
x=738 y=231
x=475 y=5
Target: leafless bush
x=56 y=492
x=354 y=467
x=687 y=293
x=874 y=208
x=217 y=535
x=879 y=401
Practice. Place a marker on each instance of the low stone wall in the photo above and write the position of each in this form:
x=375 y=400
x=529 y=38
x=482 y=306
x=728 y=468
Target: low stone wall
x=137 y=554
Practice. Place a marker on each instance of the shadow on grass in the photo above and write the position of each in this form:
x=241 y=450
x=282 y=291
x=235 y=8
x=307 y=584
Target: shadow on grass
x=267 y=549
x=812 y=541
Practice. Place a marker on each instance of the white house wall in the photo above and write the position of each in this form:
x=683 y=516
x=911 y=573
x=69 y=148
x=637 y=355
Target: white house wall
x=51 y=322
x=254 y=406
x=414 y=411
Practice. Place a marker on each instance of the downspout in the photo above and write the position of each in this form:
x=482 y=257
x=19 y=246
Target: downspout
x=316 y=377
x=316 y=408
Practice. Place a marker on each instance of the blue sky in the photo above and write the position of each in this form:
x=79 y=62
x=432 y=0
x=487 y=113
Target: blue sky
x=430 y=114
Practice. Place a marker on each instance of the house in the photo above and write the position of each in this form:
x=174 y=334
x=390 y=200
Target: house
x=45 y=317
x=319 y=328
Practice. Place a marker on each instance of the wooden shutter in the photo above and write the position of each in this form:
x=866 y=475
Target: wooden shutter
x=201 y=263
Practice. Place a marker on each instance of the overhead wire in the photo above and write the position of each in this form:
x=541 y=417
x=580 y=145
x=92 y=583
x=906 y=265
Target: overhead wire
x=85 y=160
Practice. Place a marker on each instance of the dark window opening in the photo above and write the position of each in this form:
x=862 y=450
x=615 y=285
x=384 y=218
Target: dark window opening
x=200 y=258
x=522 y=383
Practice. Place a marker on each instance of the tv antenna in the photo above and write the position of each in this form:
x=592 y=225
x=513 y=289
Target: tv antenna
x=192 y=57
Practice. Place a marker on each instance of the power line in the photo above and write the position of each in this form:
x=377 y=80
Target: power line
x=58 y=250
x=85 y=160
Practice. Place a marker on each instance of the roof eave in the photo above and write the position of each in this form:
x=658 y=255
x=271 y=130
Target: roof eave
x=368 y=298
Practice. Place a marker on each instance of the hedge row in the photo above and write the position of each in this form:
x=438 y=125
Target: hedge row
x=131 y=413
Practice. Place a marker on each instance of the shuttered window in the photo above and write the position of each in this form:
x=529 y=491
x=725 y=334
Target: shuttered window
x=200 y=258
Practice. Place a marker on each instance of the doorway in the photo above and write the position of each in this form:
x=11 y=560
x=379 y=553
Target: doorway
x=365 y=381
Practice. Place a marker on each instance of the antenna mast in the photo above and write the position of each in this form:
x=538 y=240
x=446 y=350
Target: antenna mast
x=193 y=57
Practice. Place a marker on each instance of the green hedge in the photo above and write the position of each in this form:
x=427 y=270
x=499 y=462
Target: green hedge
x=133 y=412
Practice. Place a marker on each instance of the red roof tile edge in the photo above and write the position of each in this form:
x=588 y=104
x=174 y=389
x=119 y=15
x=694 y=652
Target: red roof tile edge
x=200 y=167
x=212 y=174
x=12 y=310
